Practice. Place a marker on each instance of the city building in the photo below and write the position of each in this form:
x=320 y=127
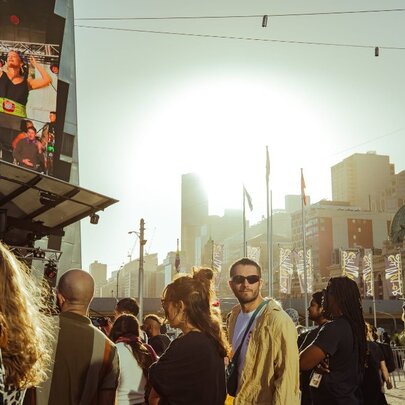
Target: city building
x=124 y=281
x=194 y=214
x=99 y=273
x=368 y=181
x=334 y=225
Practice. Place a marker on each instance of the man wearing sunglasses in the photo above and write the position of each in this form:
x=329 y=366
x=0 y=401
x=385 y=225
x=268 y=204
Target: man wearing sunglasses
x=268 y=370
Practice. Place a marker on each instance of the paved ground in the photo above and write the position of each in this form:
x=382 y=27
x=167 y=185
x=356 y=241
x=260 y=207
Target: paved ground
x=396 y=396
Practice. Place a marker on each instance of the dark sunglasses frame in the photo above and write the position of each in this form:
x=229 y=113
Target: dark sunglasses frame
x=252 y=279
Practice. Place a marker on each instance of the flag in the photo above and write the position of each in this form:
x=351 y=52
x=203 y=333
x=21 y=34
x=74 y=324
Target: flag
x=368 y=276
x=248 y=198
x=393 y=270
x=304 y=197
x=267 y=165
x=177 y=259
x=350 y=260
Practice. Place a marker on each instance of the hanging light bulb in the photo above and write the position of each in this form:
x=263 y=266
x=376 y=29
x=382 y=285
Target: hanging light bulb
x=376 y=51
x=264 y=21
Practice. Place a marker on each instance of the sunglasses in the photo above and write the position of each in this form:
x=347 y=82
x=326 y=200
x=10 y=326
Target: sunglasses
x=253 y=279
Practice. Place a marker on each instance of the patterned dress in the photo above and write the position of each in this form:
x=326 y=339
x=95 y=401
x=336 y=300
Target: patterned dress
x=9 y=395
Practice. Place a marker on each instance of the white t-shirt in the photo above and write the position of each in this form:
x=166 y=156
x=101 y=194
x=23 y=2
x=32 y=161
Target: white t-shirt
x=131 y=386
x=240 y=326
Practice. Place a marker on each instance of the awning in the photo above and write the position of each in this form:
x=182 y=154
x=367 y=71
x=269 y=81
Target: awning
x=34 y=205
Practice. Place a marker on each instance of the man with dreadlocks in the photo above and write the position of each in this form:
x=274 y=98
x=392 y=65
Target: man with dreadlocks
x=338 y=352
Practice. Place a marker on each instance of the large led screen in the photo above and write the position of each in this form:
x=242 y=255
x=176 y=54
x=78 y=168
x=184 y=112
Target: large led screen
x=31 y=36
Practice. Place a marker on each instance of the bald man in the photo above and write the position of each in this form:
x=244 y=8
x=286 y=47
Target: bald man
x=86 y=368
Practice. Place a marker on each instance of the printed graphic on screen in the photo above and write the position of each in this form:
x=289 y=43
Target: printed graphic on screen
x=30 y=43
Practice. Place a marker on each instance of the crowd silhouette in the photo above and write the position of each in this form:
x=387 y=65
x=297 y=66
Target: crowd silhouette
x=48 y=358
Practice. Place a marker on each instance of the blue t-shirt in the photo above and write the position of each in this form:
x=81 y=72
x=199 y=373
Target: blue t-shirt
x=341 y=385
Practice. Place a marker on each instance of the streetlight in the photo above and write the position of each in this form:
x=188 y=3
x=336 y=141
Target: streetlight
x=118 y=276
x=142 y=243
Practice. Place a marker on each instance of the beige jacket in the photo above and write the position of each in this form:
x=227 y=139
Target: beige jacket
x=271 y=370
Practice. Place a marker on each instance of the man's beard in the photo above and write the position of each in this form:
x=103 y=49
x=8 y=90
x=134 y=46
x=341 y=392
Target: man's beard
x=247 y=300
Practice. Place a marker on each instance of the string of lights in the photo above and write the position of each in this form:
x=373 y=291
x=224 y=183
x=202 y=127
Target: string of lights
x=230 y=37
x=391 y=133
x=228 y=17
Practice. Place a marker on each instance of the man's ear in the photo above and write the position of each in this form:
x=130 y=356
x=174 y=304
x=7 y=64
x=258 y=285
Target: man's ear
x=261 y=283
x=60 y=299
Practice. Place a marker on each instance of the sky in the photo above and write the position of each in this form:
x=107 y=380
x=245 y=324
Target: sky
x=159 y=97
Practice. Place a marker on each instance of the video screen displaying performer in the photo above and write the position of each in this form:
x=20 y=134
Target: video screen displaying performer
x=31 y=35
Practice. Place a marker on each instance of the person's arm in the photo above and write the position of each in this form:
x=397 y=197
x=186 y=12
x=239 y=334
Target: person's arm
x=311 y=357
x=385 y=374
x=153 y=397
x=43 y=81
x=106 y=397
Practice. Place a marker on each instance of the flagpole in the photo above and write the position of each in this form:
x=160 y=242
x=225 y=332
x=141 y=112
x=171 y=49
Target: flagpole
x=269 y=227
x=304 y=249
x=372 y=283
x=244 y=224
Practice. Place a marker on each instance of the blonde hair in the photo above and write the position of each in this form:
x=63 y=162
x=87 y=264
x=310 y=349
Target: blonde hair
x=25 y=328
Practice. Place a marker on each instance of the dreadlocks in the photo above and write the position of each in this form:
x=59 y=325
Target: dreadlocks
x=348 y=299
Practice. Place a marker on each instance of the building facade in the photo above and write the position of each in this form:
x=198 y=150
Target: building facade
x=368 y=181
x=194 y=214
x=333 y=225
x=99 y=274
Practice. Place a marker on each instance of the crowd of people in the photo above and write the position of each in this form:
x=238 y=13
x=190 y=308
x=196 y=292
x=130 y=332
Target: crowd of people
x=64 y=359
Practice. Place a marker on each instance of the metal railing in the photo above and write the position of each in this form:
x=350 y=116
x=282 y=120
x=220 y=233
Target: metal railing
x=399 y=359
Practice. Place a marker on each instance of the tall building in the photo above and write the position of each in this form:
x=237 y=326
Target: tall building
x=194 y=214
x=361 y=179
x=99 y=273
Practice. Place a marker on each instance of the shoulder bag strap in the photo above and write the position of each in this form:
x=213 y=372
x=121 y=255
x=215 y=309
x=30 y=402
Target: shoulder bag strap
x=237 y=352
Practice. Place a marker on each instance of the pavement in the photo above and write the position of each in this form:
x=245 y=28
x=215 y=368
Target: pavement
x=396 y=396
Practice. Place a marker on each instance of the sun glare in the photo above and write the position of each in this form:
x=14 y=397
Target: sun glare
x=219 y=128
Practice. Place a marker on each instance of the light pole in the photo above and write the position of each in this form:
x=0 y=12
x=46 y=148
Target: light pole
x=142 y=243
x=118 y=276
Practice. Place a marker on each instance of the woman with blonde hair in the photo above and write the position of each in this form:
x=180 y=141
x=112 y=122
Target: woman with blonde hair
x=191 y=371
x=25 y=334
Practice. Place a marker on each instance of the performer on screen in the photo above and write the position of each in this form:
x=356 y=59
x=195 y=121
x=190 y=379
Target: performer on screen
x=15 y=84
x=25 y=124
x=27 y=152
x=48 y=142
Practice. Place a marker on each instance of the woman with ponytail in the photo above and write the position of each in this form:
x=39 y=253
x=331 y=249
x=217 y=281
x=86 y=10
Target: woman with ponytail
x=135 y=360
x=191 y=371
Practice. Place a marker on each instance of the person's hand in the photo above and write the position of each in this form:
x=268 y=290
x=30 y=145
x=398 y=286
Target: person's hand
x=388 y=384
x=27 y=162
x=322 y=367
x=33 y=61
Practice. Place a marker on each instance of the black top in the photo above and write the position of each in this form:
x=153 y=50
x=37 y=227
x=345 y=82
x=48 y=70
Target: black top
x=16 y=92
x=372 y=383
x=304 y=340
x=341 y=385
x=191 y=371
x=159 y=343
